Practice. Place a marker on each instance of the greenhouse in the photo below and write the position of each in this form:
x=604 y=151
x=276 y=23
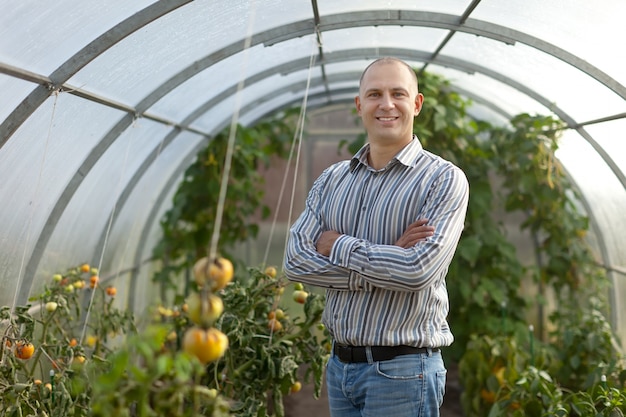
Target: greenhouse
x=154 y=156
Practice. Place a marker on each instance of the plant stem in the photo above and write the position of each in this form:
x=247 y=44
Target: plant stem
x=44 y=332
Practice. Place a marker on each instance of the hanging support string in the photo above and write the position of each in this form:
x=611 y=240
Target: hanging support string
x=108 y=231
x=296 y=144
x=232 y=134
x=35 y=199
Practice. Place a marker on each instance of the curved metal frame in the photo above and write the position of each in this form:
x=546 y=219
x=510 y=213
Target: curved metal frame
x=270 y=37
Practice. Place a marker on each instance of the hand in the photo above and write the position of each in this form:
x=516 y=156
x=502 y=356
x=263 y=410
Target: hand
x=416 y=232
x=325 y=242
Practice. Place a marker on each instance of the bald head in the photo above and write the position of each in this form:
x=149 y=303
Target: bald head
x=387 y=61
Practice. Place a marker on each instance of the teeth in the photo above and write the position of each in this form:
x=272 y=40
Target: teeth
x=386 y=119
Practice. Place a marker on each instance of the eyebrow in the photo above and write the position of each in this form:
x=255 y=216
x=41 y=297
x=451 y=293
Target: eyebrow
x=402 y=89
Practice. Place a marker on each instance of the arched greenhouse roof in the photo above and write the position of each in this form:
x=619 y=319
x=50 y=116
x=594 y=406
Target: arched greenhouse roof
x=104 y=104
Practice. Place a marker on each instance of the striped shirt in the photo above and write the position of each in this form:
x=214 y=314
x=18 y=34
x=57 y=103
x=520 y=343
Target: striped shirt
x=378 y=293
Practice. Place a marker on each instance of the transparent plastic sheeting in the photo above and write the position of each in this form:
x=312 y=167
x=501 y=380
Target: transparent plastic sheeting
x=98 y=121
x=605 y=201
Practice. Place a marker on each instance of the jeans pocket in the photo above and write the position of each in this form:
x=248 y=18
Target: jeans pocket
x=441 y=386
x=401 y=367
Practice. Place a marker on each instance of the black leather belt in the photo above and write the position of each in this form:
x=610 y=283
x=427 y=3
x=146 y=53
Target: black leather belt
x=353 y=354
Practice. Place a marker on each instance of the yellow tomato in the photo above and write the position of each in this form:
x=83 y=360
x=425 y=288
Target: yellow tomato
x=213 y=308
x=217 y=273
x=200 y=270
x=296 y=387
x=206 y=345
x=91 y=340
x=78 y=361
x=270 y=271
x=85 y=268
x=277 y=314
x=300 y=296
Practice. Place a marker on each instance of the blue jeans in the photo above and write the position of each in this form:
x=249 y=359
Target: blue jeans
x=406 y=386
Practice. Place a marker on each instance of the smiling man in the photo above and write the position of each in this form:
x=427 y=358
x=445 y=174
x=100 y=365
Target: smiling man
x=379 y=233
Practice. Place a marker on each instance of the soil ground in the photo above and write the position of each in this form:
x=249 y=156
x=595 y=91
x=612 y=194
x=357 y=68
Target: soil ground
x=303 y=404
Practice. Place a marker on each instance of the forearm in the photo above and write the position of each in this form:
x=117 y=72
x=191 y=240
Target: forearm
x=304 y=264
x=392 y=267
x=416 y=267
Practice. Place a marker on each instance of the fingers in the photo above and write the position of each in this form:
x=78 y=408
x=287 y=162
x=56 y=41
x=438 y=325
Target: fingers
x=325 y=243
x=416 y=232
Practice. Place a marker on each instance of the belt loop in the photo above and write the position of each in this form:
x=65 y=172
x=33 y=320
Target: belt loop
x=368 y=354
x=430 y=352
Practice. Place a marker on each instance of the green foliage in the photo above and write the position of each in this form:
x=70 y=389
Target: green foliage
x=506 y=378
x=189 y=224
x=144 y=379
x=584 y=347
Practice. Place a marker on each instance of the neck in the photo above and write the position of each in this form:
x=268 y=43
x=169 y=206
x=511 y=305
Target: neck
x=381 y=153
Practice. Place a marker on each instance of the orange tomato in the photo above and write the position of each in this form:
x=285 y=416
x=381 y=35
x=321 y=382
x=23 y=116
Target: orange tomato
x=85 y=268
x=206 y=345
x=93 y=281
x=488 y=396
x=73 y=342
x=274 y=325
x=24 y=350
x=111 y=291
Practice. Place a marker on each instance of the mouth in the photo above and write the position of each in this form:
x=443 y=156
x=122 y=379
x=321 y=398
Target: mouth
x=386 y=119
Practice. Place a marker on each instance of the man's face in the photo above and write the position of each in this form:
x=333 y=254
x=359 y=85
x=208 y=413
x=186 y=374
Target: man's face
x=388 y=101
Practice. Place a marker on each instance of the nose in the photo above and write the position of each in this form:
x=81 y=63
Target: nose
x=387 y=101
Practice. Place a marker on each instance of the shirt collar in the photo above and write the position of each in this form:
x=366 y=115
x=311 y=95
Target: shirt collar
x=407 y=155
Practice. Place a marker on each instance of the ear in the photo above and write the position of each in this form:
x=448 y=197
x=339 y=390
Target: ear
x=419 y=100
x=357 y=103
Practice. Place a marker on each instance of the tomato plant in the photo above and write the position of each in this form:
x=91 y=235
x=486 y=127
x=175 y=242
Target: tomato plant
x=57 y=360
x=267 y=342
